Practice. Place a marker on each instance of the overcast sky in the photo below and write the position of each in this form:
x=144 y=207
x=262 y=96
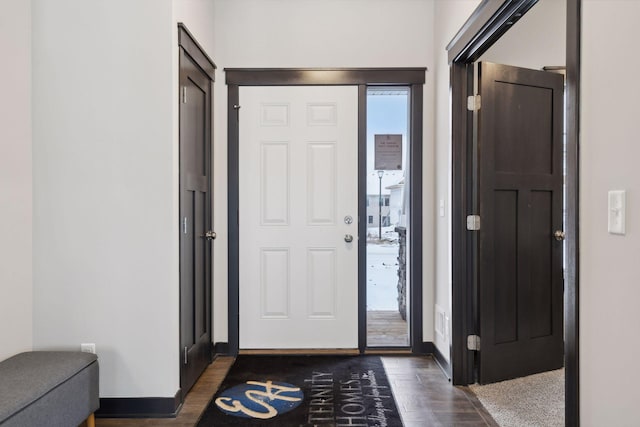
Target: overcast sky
x=386 y=114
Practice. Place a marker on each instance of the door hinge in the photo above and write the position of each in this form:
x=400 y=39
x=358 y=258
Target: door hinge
x=473 y=222
x=473 y=342
x=474 y=102
x=186 y=355
x=184 y=94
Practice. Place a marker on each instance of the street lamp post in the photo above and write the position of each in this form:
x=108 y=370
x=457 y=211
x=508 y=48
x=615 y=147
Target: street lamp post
x=380 y=173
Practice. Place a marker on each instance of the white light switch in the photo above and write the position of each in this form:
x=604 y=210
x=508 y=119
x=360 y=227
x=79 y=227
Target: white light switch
x=617 y=207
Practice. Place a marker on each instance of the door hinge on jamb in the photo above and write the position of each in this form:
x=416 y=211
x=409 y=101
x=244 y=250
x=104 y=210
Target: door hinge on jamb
x=186 y=353
x=473 y=222
x=474 y=102
x=473 y=342
x=184 y=94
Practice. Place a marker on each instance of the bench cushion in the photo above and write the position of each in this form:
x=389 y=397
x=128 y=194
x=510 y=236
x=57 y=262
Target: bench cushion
x=27 y=379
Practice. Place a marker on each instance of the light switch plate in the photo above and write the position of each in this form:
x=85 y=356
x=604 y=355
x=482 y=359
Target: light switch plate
x=617 y=208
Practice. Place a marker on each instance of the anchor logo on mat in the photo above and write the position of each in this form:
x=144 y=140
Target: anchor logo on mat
x=256 y=399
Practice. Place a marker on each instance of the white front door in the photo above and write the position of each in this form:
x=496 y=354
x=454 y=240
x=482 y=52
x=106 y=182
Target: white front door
x=298 y=188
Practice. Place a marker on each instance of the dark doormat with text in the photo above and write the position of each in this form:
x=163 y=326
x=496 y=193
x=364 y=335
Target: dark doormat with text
x=304 y=391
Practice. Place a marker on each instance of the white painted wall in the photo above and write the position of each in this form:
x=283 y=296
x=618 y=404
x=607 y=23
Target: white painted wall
x=538 y=39
x=322 y=33
x=609 y=272
x=450 y=15
x=105 y=221
x=16 y=280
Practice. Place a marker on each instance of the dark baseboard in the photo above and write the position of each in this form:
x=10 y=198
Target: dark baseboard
x=424 y=348
x=139 y=407
x=221 y=348
x=442 y=362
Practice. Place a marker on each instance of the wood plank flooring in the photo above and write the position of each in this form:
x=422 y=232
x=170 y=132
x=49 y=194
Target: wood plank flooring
x=423 y=394
x=426 y=398
x=386 y=329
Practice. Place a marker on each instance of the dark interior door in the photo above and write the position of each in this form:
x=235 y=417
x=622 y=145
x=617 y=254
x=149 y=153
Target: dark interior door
x=520 y=159
x=195 y=221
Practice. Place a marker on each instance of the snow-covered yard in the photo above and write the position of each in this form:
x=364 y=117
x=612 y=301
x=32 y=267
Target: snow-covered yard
x=382 y=275
x=389 y=234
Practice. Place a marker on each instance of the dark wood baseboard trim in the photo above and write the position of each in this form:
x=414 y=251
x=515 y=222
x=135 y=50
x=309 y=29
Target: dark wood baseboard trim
x=140 y=407
x=220 y=348
x=442 y=362
x=424 y=348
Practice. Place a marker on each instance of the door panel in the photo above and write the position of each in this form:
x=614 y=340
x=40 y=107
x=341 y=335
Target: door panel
x=195 y=220
x=520 y=127
x=298 y=180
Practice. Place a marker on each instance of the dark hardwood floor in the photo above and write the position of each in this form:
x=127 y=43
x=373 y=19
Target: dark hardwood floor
x=423 y=394
x=426 y=398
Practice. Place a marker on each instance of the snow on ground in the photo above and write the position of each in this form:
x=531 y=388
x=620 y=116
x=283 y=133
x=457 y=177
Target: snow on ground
x=388 y=234
x=382 y=275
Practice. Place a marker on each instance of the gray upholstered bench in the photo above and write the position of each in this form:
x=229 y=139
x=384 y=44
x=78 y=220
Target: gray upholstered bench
x=48 y=388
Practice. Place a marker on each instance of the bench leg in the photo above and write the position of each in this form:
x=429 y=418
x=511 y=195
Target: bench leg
x=91 y=421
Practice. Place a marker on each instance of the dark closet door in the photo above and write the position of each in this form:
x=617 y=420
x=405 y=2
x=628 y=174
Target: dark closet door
x=195 y=220
x=520 y=134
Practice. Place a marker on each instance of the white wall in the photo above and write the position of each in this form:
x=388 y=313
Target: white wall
x=609 y=272
x=449 y=17
x=321 y=33
x=105 y=223
x=538 y=39
x=16 y=280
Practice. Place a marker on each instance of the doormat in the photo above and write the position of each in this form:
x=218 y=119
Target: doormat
x=304 y=391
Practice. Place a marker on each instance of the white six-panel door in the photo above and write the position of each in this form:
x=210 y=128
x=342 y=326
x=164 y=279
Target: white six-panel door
x=298 y=183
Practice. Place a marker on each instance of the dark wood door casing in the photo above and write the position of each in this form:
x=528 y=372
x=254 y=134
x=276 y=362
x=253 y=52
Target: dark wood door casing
x=361 y=77
x=520 y=139
x=489 y=21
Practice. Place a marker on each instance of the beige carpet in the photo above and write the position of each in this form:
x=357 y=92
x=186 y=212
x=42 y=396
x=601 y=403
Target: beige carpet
x=533 y=401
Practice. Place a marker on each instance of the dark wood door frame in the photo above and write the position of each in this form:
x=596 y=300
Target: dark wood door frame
x=490 y=21
x=362 y=78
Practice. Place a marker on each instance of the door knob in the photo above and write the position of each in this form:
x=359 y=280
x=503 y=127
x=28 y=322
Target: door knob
x=559 y=235
x=210 y=235
x=348 y=238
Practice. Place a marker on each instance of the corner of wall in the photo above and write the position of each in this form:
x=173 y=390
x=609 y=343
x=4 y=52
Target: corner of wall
x=16 y=193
